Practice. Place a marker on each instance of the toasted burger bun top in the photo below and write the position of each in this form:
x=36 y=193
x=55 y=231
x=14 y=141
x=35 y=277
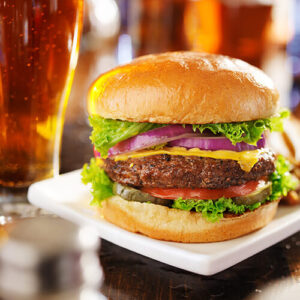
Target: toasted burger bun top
x=184 y=87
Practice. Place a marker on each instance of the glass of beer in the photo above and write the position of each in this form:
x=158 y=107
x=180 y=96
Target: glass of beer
x=39 y=43
x=154 y=25
x=238 y=28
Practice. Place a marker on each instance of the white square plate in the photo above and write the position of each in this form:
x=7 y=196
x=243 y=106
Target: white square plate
x=67 y=197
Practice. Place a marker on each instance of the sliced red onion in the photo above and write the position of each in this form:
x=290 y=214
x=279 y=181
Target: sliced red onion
x=215 y=143
x=152 y=138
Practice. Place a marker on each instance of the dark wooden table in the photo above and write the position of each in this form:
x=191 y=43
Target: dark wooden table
x=272 y=274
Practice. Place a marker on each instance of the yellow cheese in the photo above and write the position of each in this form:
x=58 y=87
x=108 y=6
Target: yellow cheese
x=246 y=159
x=99 y=162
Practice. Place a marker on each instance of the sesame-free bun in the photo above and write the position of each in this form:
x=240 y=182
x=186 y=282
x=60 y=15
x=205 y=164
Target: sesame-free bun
x=184 y=87
x=176 y=225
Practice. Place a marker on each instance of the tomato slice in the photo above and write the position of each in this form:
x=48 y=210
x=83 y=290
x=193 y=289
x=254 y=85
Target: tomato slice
x=204 y=194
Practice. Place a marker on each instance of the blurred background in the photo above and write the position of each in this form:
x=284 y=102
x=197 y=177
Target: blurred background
x=265 y=33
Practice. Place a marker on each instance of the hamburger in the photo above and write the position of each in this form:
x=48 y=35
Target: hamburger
x=180 y=151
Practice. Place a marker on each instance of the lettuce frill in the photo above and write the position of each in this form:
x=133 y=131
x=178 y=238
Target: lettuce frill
x=107 y=132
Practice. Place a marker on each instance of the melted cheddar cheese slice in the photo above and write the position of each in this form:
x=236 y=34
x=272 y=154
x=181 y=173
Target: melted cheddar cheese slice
x=246 y=159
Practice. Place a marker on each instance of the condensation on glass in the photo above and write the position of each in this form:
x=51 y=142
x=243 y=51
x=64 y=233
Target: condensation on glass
x=39 y=43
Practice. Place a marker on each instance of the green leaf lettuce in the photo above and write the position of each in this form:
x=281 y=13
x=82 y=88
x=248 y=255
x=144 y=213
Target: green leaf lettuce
x=101 y=185
x=212 y=210
x=249 y=132
x=107 y=132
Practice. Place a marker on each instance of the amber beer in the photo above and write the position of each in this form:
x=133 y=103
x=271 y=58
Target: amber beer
x=155 y=25
x=237 y=28
x=39 y=42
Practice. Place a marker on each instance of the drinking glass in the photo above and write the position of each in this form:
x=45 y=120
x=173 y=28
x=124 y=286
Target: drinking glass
x=238 y=28
x=39 y=43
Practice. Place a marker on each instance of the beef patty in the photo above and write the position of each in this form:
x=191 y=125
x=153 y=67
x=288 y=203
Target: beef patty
x=175 y=171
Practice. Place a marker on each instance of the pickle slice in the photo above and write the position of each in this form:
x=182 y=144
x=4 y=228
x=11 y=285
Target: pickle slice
x=132 y=194
x=258 y=196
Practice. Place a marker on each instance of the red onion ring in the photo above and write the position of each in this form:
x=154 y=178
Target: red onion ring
x=215 y=143
x=151 y=138
x=179 y=136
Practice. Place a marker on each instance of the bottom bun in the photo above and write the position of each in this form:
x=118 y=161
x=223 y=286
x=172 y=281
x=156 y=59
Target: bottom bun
x=170 y=224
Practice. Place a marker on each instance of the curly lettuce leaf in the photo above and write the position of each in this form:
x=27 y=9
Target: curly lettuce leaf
x=107 y=132
x=249 y=132
x=282 y=180
x=212 y=211
x=101 y=185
